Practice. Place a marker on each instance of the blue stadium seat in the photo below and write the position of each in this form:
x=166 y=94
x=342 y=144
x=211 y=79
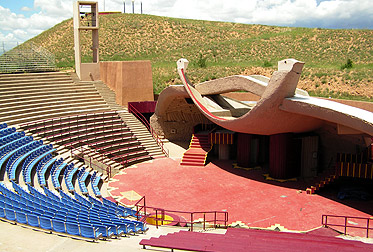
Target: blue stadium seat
x=21 y=217
x=90 y=232
x=58 y=226
x=33 y=220
x=2 y=212
x=45 y=223
x=10 y=214
x=72 y=228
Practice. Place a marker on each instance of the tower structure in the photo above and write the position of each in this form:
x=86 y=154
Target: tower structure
x=86 y=26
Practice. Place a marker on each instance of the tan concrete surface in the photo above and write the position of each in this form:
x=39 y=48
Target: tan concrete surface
x=23 y=238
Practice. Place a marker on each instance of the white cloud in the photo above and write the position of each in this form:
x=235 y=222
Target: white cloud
x=18 y=28
x=308 y=13
x=25 y=8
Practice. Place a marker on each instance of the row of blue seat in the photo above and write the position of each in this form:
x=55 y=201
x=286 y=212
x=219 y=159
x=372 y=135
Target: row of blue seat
x=6 y=131
x=62 y=208
x=8 y=149
x=68 y=175
x=42 y=168
x=55 y=172
x=97 y=214
x=95 y=179
x=20 y=155
x=11 y=137
x=3 y=125
x=82 y=177
x=50 y=224
x=31 y=161
x=29 y=152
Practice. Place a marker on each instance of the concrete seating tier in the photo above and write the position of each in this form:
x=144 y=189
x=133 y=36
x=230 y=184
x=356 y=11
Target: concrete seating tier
x=36 y=96
x=101 y=134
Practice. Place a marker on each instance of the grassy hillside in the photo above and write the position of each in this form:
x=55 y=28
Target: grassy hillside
x=218 y=49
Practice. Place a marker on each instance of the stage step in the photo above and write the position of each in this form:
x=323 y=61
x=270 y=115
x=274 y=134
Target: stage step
x=197 y=152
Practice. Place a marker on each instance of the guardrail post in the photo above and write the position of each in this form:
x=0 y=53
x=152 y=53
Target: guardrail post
x=215 y=219
x=345 y=225
x=204 y=221
x=191 y=222
x=368 y=228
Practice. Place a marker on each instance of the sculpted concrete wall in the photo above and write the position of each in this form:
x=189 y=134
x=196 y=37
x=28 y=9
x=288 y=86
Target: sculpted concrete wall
x=174 y=117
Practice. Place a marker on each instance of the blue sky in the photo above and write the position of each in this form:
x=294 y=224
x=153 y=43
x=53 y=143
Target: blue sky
x=21 y=20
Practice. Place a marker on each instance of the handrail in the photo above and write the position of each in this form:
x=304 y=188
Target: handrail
x=193 y=220
x=108 y=166
x=368 y=220
x=65 y=117
x=139 y=116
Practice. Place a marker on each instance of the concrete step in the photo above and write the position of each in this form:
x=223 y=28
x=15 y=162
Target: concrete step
x=34 y=75
x=26 y=109
x=51 y=114
x=14 y=83
x=24 y=113
x=52 y=102
x=49 y=97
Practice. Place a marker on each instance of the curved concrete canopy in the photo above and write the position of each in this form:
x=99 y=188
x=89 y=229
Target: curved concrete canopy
x=282 y=107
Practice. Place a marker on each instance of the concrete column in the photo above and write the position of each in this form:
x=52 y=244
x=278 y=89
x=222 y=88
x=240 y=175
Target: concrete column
x=224 y=151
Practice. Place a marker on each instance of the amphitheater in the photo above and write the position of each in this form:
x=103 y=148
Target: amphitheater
x=83 y=169
x=62 y=139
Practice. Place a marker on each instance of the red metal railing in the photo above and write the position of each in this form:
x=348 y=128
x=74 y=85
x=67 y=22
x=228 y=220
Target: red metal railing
x=214 y=218
x=77 y=116
x=81 y=153
x=344 y=222
x=84 y=152
x=139 y=116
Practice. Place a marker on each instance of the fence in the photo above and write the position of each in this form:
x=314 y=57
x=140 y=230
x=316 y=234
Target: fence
x=345 y=222
x=26 y=58
x=203 y=219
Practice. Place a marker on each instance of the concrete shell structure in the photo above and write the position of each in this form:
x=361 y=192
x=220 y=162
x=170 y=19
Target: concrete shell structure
x=281 y=109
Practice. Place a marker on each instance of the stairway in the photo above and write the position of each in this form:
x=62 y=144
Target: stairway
x=197 y=152
x=325 y=180
x=140 y=131
x=30 y=97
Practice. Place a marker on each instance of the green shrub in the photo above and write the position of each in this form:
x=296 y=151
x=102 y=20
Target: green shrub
x=266 y=63
x=348 y=64
x=201 y=62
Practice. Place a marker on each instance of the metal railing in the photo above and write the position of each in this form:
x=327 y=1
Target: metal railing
x=155 y=136
x=203 y=218
x=93 y=162
x=70 y=118
x=344 y=222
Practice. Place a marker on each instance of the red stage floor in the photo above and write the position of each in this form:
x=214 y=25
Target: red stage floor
x=246 y=195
